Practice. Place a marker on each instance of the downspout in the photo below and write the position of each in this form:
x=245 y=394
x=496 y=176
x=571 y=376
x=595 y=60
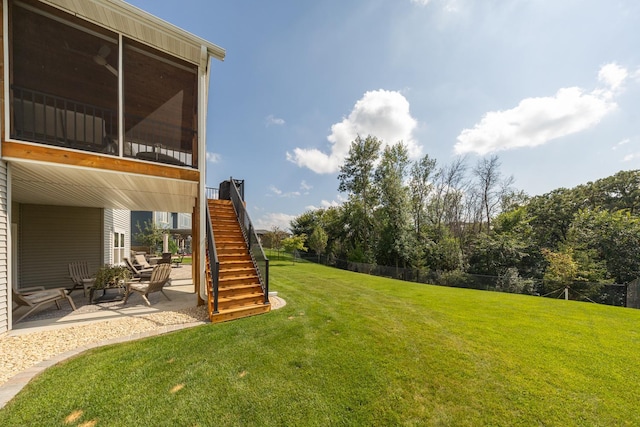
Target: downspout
x=203 y=91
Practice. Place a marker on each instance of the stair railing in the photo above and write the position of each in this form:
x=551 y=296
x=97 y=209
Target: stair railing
x=214 y=263
x=260 y=260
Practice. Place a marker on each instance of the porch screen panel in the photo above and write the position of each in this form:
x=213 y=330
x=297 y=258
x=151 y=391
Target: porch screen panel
x=53 y=236
x=160 y=106
x=64 y=79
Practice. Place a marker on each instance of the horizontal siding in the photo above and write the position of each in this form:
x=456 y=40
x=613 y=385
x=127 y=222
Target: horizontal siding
x=53 y=236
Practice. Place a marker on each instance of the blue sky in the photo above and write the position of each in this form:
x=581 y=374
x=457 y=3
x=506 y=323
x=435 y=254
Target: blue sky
x=552 y=87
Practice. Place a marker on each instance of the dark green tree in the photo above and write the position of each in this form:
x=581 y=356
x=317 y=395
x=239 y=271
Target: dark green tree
x=420 y=187
x=609 y=238
x=356 y=178
x=396 y=243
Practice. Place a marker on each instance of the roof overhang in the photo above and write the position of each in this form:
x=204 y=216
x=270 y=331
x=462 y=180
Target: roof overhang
x=133 y=22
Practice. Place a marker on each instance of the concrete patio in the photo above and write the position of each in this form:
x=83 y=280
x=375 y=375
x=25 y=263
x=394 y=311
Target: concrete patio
x=180 y=291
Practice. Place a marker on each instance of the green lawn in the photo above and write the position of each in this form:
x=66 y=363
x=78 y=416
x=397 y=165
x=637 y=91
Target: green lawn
x=351 y=349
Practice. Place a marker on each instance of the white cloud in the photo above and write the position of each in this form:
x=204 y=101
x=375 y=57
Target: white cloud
x=330 y=204
x=621 y=143
x=324 y=204
x=213 y=157
x=275 y=190
x=270 y=220
x=451 y=6
x=304 y=186
x=613 y=75
x=381 y=113
x=273 y=120
x=536 y=121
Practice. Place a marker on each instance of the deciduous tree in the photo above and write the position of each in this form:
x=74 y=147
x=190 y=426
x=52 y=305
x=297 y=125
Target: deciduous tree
x=295 y=243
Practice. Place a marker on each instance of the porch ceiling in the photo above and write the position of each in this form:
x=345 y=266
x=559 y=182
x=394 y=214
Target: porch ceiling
x=50 y=184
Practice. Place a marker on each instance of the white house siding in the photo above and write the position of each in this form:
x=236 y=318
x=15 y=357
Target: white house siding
x=116 y=220
x=5 y=300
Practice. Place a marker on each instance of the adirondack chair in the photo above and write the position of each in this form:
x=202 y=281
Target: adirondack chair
x=79 y=274
x=159 y=277
x=137 y=271
x=36 y=297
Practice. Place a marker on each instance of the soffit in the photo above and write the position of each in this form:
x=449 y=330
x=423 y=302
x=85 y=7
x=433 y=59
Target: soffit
x=50 y=184
x=140 y=25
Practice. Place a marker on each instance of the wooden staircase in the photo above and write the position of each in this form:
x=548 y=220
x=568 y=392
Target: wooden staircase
x=239 y=291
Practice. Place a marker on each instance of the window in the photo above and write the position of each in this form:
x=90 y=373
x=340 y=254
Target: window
x=184 y=221
x=118 y=248
x=162 y=219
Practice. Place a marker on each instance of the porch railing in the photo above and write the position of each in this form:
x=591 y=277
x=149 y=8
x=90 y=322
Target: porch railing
x=53 y=120
x=260 y=260
x=156 y=140
x=214 y=266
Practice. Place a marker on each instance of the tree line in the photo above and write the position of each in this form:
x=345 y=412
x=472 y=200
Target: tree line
x=463 y=218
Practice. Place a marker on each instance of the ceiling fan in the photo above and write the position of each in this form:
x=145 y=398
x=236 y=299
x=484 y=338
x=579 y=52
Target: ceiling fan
x=101 y=59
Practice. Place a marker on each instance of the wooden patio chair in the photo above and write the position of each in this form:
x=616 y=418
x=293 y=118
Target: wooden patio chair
x=35 y=297
x=142 y=261
x=159 y=278
x=79 y=274
x=137 y=271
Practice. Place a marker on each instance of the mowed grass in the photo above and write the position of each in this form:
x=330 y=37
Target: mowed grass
x=352 y=349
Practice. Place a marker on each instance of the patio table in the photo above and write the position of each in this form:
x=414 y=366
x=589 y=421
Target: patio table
x=108 y=296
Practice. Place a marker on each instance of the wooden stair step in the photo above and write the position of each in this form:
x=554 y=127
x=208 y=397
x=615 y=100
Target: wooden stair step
x=231 y=265
x=231 y=250
x=227 y=280
x=237 y=272
x=239 y=288
x=240 y=301
x=234 y=257
x=240 y=312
